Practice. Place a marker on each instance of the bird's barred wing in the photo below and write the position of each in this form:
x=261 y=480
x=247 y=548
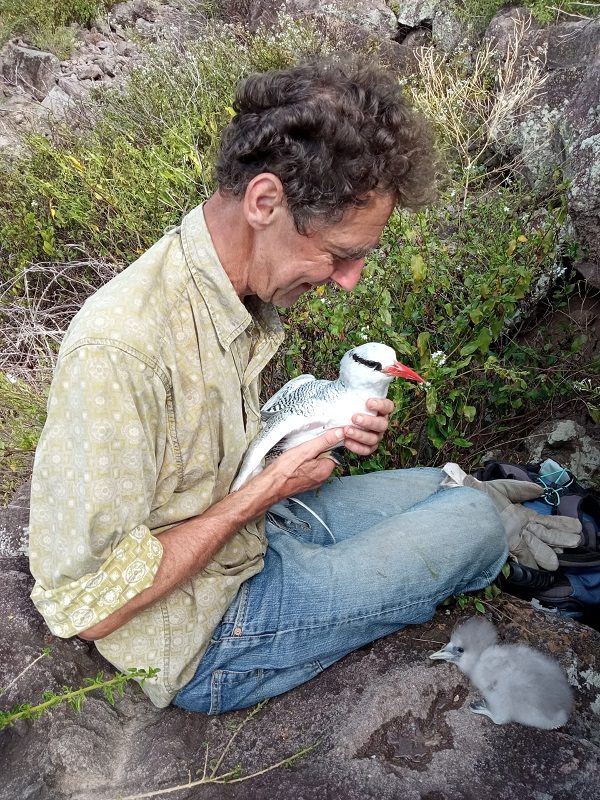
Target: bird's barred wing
x=274 y=403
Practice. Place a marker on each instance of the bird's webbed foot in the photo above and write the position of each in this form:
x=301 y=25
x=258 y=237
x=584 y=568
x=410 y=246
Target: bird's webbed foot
x=480 y=707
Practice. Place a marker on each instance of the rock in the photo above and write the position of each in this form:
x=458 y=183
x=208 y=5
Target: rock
x=568 y=443
x=559 y=132
x=447 y=29
x=416 y=13
x=19 y=114
x=582 y=142
x=388 y=723
x=372 y=15
x=146 y=29
x=590 y=272
x=34 y=70
x=72 y=87
x=126 y=14
x=501 y=30
x=58 y=102
x=88 y=72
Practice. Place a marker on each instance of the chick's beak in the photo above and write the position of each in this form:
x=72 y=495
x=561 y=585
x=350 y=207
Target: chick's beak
x=447 y=653
x=399 y=370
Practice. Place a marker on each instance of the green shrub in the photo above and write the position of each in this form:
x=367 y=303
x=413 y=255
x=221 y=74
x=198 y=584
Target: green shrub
x=44 y=23
x=442 y=289
x=442 y=292
x=480 y=12
x=147 y=157
x=22 y=414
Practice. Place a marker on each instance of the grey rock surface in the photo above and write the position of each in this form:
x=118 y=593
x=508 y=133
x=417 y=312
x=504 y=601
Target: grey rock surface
x=33 y=70
x=568 y=443
x=387 y=722
x=447 y=29
x=559 y=133
x=373 y=15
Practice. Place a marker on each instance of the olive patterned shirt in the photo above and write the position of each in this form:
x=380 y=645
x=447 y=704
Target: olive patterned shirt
x=153 y=403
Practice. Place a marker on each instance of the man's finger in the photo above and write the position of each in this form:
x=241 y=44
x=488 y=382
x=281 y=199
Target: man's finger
x=380 y=405
x=326 y=441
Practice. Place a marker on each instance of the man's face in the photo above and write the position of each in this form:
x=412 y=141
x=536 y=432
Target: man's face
x=292 y=263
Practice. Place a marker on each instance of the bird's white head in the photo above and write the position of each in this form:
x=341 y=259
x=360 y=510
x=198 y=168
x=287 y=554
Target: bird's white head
x=374 y=364
x=467 y=643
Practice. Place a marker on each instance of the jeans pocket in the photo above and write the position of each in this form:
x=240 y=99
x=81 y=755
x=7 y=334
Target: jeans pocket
x=233 y=689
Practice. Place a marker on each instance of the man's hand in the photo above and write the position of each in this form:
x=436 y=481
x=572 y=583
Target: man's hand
x=296 y=470
x=364 y=436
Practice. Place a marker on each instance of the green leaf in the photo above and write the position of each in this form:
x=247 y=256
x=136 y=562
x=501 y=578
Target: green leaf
x=479 y=606
x=435 y=436
x=469 y=412
x=483 y=341
x=423 y=344
x=469 y=349
x=431 y=400
x=418 y=268
x=476 y=315
x=463 y=442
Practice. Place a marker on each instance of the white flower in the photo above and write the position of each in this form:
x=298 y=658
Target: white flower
x=439 y=357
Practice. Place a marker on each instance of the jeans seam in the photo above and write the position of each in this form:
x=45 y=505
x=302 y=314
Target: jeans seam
x=215 y=692
x=329 y=623
x=240 y=616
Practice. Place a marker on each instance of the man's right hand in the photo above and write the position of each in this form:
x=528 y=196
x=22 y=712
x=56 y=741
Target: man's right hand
x=297 y=470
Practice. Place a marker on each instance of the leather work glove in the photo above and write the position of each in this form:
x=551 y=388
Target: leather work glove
x=533 y=539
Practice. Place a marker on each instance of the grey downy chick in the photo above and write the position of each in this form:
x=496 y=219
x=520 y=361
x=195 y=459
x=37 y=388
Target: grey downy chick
x=518 y=683
x=305 y=407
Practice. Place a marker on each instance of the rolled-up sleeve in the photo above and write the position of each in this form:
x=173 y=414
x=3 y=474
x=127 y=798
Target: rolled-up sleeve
x=93 y=486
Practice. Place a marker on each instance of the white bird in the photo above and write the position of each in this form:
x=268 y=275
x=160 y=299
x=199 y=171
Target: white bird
x=518 y=683
x=304 y=408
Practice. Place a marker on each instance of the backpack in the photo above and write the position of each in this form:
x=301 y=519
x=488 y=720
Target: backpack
x=574 y=588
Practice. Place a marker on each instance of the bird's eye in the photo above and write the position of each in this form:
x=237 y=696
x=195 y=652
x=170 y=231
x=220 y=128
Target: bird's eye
x=460 y=649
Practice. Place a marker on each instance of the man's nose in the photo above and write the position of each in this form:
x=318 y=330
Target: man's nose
x=347 y=274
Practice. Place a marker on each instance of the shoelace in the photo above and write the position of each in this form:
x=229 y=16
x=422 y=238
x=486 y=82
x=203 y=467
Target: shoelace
x=553 y=488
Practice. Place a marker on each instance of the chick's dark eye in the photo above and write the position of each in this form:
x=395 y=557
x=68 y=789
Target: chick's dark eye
x=460 y=649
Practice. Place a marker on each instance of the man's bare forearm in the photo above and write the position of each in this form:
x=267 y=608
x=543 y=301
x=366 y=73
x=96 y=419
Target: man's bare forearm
x=189 y=546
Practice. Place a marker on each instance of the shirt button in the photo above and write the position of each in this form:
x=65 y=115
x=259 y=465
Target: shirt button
x=237 y=632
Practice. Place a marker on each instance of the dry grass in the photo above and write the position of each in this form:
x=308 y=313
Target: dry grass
x=474 y=106
x=36 y=308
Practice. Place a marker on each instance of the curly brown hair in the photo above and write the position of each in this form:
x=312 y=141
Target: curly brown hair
x=332 y=133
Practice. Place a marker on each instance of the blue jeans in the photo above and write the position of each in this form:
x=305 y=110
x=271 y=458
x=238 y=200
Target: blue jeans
x=394 y=547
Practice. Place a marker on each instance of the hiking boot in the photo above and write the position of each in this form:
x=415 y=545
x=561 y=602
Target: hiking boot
x=522 y=580
x=552 y=590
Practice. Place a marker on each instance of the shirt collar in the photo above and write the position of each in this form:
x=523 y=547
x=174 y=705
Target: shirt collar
x=229 y=315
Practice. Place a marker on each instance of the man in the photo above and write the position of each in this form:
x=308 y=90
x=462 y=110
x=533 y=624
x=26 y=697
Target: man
x=136 y=542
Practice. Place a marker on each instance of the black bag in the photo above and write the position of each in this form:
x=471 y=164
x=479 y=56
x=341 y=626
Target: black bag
x=574 y=588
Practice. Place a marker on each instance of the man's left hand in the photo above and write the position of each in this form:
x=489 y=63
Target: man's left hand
x=364 y=435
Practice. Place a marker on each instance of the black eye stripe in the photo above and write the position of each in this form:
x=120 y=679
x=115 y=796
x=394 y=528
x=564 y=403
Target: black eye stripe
x=367 y=363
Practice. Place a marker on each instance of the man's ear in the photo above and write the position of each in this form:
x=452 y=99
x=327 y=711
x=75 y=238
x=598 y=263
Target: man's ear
x=263 y=200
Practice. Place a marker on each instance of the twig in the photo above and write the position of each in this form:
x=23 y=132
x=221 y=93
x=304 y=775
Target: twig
x=226 y=777
x=45 y=652
x=242 y=724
